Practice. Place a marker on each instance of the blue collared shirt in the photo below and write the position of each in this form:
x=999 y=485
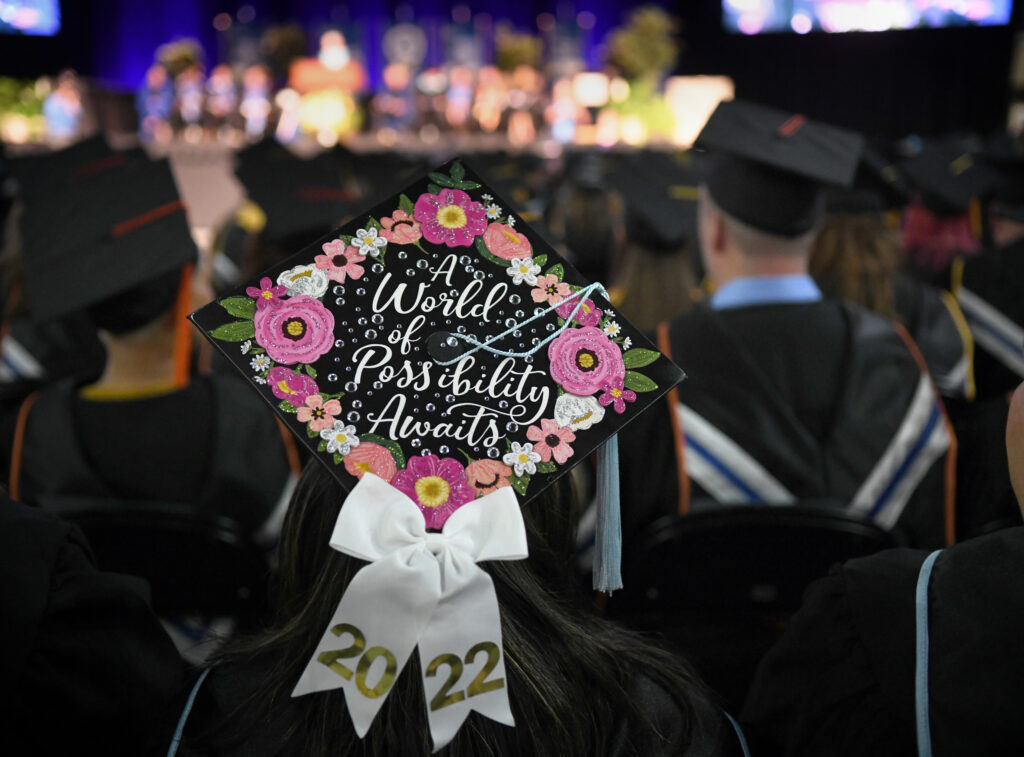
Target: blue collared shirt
x=766 y=290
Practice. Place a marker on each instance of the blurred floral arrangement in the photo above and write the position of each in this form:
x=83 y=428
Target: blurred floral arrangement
x=21 y=109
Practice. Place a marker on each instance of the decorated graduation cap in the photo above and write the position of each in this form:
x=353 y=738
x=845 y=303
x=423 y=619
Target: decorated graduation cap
x=947 y=176
x=294 y=194
x=766 y=167
x=446 y=366
x=97 y=238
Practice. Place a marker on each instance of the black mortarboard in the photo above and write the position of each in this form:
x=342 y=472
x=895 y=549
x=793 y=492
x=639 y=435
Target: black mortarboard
x=660 y=190
x=767 y=166
x=878 y=186
x=947 y=177
x=43 y=173
x=296 y=195
x=1005 y=154
x=105 y=235
x=347 y=340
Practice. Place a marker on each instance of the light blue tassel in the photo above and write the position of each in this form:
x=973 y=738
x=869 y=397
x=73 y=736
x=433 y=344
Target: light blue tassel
x=608 y=546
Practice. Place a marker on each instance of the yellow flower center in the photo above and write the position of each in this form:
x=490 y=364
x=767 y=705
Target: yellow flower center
x=585 y=360
x=340 y=438
x=511 y=236
x=284 y=387
x=582 y=418
x=295 y=328
x=267 y=294
x=363 y=467
x=616 y=393
x=523 y=457
x=303 y=274
x=524 y=269
x=451 y=217
x=432 y=491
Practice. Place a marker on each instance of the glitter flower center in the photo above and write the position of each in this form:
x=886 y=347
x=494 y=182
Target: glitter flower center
x=294 y=328
x=267 y=294
x=616 y=393
x=511 y=236
x=586 y=360
x=432 y=491
x=552 y=440
x=452 y=217
x=283 y=386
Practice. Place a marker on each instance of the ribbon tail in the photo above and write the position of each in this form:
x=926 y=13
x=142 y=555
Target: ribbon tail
x=366 y=646
x=608 y=553
x=461 y=655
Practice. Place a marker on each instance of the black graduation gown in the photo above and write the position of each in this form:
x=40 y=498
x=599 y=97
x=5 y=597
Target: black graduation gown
x=229 y=686
x=85 y=667
x=841 y=680
x=793 y=402
x=243 y=478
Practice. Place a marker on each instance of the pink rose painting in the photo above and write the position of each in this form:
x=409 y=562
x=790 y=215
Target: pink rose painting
x=450 y=217
x=550 y=440
x=370 y=458
x=293 y=387
x=266 y=294
x=506 y=243
x=487 y=475
x=584 y=360
x=340 y=261
x=401 y=228
x=550 y=290
x=317 y=413
x=299 y=330
x=437 y=485
x=587 y=315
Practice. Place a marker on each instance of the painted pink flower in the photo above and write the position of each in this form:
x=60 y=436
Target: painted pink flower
x=291 y=386
x=506 y=243
x=549 y=440
x=487 y=475
x=437 y=485
x=450 y=217
x=616 y=396
x=368 y=457
x=584 y=360
x=400 y=228
x=300 y=330
x=317 y=413
x=587 y=315
x=550 y=289
x=266 y=294
x=340 y=261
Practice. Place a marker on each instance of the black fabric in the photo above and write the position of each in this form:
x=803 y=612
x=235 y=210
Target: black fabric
x=85 y=667
x=841 y=681
x=227 y=687
x=212 y=445
x=814 y=392
x=919 y=307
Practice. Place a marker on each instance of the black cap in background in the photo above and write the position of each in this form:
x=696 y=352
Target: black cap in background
x=43 y=173
x=660 y=190
x=947 y=177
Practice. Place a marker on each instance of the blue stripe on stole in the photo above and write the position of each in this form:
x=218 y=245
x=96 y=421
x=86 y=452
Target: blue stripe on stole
x=976 y=322
x=7 y=361
x=908 y=461
x=721 y=468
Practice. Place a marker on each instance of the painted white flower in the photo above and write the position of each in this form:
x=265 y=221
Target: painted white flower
x=493 y=212
x=369 y=243
x=305 y=280
x=522 y=458
x=511 y=222
x=245 y=346
x=626 y=343
x=486 y=197
x=608 y=313
x=340 y=438
x=259 y=379
x=578 y=412
x=612 y=329
x=523 y=269
x=260 y=363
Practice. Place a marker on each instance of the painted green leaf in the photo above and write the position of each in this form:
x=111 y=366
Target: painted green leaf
x=338 y=458
x=638 y=382
x=441 y=179
x=540 y=259
x=466 y=185
x=458 y=172
x=548 y=467
x=391 y=446
x=311 y=433
x=236 y=331
x=488 y=255
x=373 y=223
x=287 y=407
x=519 y=483
x=322 y=446
x=639 y=357
x=433 y=189
x=557 y=270
x=240 y=307
x=311 y=371
x=406 y=204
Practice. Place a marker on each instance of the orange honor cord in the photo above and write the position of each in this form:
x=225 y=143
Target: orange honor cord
x=290 y=450
x=665 y=345
x=14 y=480
x=182 y=328
x=950 y=471
x=98 y=166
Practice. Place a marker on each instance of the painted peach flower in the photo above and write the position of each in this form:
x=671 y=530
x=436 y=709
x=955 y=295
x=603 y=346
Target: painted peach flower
x=401 y=228
x=317 y=413
x=450 y=217
x=340 y=261
x=506 y=243
x=487 y=475
x=551 y=440
x=437 y=485
x=550 y=289
x=370 y=458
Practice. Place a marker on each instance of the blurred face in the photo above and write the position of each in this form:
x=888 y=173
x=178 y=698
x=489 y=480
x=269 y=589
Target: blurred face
x=1015 y=444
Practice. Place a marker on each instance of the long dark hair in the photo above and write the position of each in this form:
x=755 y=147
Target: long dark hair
x=571 y=676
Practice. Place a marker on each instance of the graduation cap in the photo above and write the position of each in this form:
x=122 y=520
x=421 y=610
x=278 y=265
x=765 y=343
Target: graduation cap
x=102 y=236
x=295 y=195
x=766 y=167
x=38 y=175
x=1004 y=153
x=439 y=336
x=660 y=190
x=947 y=177
x=879 y=185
